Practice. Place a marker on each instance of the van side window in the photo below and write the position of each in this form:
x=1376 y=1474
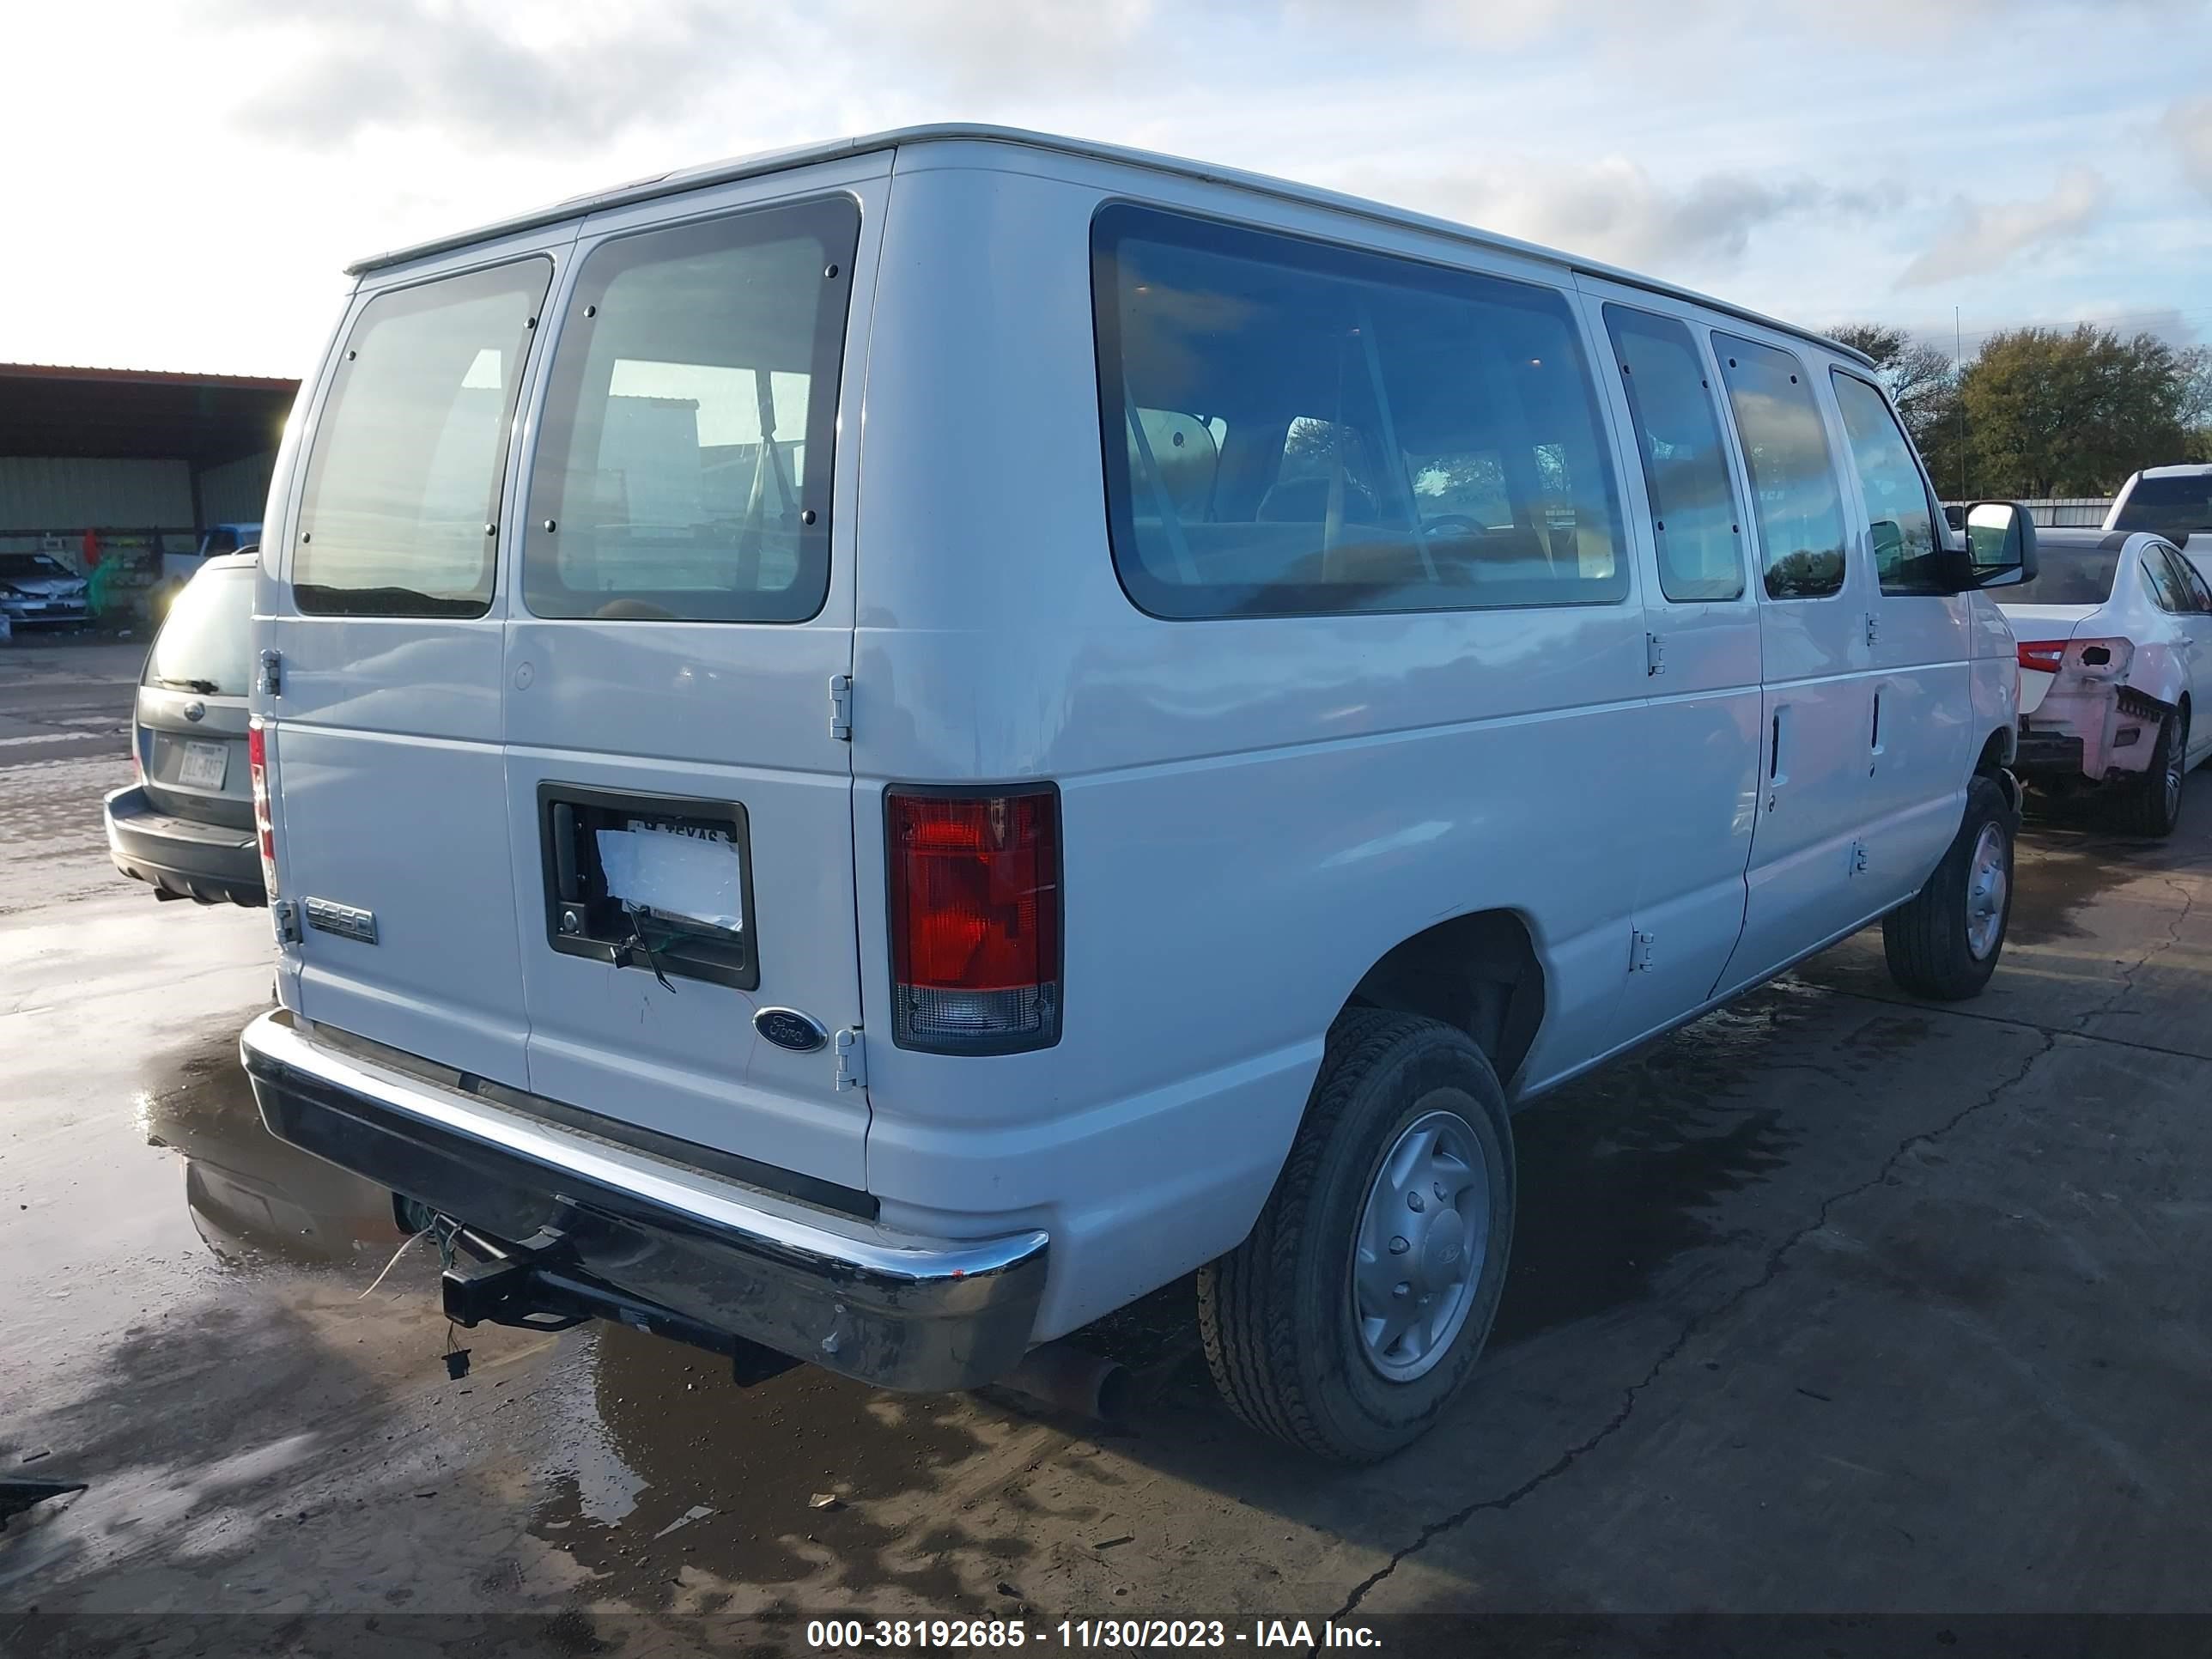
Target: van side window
x=1785 y=450
x=1901 y=519
x=1694 y=517
x=683 y=462
x=404 y=476
x=1292 y=428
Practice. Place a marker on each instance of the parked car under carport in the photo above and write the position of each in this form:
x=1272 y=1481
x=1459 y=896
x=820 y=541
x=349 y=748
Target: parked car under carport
x=38 y=590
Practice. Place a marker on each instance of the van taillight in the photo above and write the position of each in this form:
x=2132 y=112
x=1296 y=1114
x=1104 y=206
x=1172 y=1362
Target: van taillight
x=974 y=900
x=257 y=765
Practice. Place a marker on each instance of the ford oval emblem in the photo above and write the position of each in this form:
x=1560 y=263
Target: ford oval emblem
x=788 y=1028
x=194 y=711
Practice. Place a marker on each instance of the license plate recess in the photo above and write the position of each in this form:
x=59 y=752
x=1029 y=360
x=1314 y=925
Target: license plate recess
x=660 y=883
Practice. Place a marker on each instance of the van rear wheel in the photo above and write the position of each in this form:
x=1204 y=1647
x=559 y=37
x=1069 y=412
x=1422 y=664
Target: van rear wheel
x=1944 y=942
x=1357 y=1307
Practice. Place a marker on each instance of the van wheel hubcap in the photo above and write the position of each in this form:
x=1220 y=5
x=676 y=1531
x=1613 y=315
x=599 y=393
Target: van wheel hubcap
x=1987 y=880
x=1422 y=1241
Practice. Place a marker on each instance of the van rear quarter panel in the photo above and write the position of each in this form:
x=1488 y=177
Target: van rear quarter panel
x=1254 y=811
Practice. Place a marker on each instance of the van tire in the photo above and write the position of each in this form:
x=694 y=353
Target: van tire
x=2150 y=807
x=1276 y=1314
x=1926 y=939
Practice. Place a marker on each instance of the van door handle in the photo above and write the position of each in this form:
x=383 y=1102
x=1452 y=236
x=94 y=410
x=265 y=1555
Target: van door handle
x=565 y=886
x=1873 y=739
x=1776 y=777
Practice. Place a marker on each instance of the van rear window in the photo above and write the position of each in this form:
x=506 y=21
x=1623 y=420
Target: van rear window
x=403 y=482
x=1294 y=428
x=683 y=466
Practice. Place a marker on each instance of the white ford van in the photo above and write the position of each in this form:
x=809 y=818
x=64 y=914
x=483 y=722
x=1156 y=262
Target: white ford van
x=867 y=754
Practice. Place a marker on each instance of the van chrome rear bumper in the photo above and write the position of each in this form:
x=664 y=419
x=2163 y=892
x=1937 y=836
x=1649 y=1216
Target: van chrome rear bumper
x=889 y=1309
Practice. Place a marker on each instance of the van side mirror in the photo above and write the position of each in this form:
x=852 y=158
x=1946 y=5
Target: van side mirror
x=2000 y=546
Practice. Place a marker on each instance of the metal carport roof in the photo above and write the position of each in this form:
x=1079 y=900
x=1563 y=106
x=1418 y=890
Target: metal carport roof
x=49 y=408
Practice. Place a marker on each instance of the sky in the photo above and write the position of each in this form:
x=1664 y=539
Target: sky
x=185 y=180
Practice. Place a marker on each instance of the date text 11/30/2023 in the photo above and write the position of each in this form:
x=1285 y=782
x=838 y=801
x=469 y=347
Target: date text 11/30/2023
x=879 y=1635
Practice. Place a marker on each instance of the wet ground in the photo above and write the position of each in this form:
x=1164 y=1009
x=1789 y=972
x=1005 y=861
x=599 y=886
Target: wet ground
x=1832 y=1303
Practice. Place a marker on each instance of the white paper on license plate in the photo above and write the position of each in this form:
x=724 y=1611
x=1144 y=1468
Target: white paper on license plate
x=693 y=877
x=205 y=765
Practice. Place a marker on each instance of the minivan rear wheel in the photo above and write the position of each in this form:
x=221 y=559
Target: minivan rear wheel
x=1360 y=1303
x=1943 y=942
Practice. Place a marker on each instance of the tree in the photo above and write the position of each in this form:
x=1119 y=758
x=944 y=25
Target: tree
x=1923 y=383
x=2049 y=413
x=2197 y=404
x=1922 y=379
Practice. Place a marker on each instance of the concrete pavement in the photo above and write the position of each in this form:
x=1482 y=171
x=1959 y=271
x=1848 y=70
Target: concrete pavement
x=1831 y=1303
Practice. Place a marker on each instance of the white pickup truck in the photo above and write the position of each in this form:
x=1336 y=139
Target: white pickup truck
x=2174 y=503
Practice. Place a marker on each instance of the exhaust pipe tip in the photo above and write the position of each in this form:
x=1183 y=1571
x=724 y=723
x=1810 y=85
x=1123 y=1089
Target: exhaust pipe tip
x=1073 y=1380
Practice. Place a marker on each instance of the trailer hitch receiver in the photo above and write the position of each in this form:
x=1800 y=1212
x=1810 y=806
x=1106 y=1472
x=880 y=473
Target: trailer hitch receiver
x=536 y=1286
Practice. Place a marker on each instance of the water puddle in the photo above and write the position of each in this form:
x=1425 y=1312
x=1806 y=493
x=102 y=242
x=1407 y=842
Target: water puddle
x=1621 y=1171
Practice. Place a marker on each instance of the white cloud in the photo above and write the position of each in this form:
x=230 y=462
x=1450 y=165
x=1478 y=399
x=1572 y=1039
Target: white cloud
x=497 y=78
x=248 y=148
x=2188 y=127
x=1981 y=237
x=1600 y=23
x=1615 y=209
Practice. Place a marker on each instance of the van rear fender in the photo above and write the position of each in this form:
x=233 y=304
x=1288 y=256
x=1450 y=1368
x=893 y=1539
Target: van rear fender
x=1478 y=972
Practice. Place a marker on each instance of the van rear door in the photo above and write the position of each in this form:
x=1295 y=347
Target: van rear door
x=679 y=808
x=389 y=624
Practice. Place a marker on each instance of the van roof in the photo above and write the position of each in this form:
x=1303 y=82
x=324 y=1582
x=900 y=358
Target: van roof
x=776 y=161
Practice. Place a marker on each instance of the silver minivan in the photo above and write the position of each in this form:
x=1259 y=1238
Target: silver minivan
x=185 y=826
x=867 y=754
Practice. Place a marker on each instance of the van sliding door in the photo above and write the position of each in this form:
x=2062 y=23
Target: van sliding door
x=1701 y=727
x=1809 y=880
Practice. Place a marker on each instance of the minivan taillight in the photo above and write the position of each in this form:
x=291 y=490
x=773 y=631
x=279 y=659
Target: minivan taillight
x=975 y=901
x=257 y=765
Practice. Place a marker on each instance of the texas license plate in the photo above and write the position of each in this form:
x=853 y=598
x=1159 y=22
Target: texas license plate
x=205 y=765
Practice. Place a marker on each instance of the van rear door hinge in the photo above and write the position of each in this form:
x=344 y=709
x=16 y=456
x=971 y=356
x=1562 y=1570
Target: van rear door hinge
x=841 y=707
x=1654 y=654
x=852 y=1060
x=1874 y=627
x=1639 y=952
x=272 y=673
x=1858 y=858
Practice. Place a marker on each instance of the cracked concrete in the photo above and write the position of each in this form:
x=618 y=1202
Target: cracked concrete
x=1696 y=1324
x=1831 y=1302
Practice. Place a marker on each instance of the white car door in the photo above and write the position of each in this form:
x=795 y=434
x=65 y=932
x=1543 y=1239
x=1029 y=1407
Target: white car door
x=2196 y=623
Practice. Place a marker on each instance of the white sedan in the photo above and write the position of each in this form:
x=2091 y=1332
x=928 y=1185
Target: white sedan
x=2115 y=636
